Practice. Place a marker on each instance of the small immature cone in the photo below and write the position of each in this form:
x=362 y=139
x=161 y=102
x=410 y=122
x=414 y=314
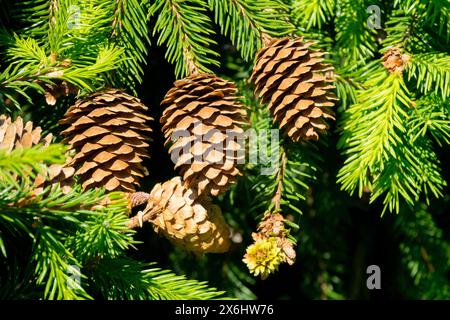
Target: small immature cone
x=14 y=135
x=187 y=220
x=291 y=78
x=109 y=132
x=203 y=120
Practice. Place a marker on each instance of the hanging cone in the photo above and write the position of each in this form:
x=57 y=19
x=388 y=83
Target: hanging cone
x=191 y=222
x=14 y=135
x=290 y=77
x=109 y=133
x=203 y=121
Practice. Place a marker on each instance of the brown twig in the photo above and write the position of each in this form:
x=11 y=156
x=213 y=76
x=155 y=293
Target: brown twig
x=276 y=200
x=190 y=63
x=140 y=218
x=266 y=39
x=137 y=198
x=426 y=259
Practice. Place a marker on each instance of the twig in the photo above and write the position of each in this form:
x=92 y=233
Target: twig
x=426 y=259
x=140 y=218
x=138 y=198
x=276 y=200
x=265 y=38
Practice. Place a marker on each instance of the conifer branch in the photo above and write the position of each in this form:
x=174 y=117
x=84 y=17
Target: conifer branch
x=314 y=13
x=124 y=278
x=431 y=72
x=130 y=31
x=246 y=22
x=188 y=39
x=356 y=42
x=430 y=117
x=423 y=253
x=380 y=155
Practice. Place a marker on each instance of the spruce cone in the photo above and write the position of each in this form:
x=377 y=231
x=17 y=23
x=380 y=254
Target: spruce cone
x=204 y=121
x=192 y=222
x=109 y=133
x=291 y=78
x=15 y=135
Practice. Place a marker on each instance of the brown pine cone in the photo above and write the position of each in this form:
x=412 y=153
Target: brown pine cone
x=187 y=220
x=15 y=135
x=290 y=77
x=109 y=132
x=204 y=120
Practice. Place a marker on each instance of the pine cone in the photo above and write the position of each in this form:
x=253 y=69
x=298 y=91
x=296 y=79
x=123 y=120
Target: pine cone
x=204 y=121
x=109 y=133
x=192 y=222
x=291 y=78
x=15 y=135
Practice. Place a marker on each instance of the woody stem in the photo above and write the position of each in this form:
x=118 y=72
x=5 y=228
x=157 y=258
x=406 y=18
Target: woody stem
x=137 y=220
x=265 y=38
x=276 y=199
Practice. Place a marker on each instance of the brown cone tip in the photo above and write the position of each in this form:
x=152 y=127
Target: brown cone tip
x=202 y=123
x=292 y=79
x=187 y=220
x=110 y=135
x=17 y=134
x=60 y=88
x=394 y=61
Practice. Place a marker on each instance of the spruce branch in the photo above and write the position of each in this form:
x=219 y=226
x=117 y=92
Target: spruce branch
x=346 y=88
x=124 y=278
x=365 y=143
x=276 y=199
x=434 y=14
x=31 y=161
x=313 y=14
x=355 y=42
x=381 y=157
x=402 y=29
x=424 y=254
x=246 y=22
x=56 y=268
x=431 y=72
x=188 y=39
x=35 y=15
x=430 y=117
x=130 y=31
x=104 y=232
x=31 y=68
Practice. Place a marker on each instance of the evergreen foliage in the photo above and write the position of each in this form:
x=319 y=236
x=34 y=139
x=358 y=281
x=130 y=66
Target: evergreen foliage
x=371 y=191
